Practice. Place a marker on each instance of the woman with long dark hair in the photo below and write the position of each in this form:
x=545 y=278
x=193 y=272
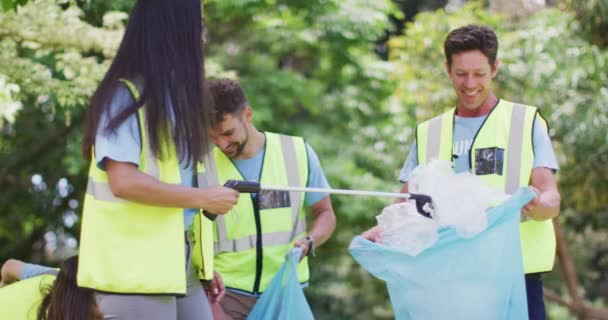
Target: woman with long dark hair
x=65 y=300
x=146 y=131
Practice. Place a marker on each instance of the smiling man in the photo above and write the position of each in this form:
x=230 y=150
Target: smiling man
x=505 y=143
x=252 y=240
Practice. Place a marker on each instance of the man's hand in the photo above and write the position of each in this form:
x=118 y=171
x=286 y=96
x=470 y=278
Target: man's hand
x=305 y=245
x=530 y=206
x=543 y=206
x=374 y=234
x=323 y=224
x=214 y=288
x=547 y=201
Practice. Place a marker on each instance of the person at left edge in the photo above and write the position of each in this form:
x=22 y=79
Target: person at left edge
x=146 y=129
x=39 y=292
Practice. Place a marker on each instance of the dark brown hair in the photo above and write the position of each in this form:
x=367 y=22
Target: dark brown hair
x=65 y=300
x=162 y=46
x=471 y=37
x=228 y=98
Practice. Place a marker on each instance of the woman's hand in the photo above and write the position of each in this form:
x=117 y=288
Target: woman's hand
x=219 y=200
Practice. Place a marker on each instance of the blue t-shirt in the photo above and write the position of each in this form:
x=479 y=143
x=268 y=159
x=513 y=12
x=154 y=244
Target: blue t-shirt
x=464 y=133
x=251 y=168
x=31 y=270
x=125 y=145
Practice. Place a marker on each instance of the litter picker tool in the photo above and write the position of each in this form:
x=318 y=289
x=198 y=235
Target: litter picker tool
x=424 y=203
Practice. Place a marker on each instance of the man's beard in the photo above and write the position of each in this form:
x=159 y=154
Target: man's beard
x=240 y=146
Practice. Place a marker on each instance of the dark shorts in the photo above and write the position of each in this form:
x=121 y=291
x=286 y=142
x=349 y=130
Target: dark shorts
x=534 y=292
x=234 y=306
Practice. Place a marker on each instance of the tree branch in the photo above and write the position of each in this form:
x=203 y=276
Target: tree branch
x=581 y=311
x=576 y=305
x=567 y=268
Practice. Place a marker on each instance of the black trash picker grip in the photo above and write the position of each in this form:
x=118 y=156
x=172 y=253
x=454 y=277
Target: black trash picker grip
x=424 y=204
x=240 y=186
x=243 y=186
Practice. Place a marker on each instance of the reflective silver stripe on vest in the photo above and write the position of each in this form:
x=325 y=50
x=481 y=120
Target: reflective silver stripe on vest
x=210 y=178
x=434 y=138
x=151 y=162
x=268 y=239
x=516 y=134
x=293 y=179
x=101 y=191
x=514 y=149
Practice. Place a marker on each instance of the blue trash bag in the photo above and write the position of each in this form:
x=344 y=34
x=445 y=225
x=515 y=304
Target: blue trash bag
x=284 y=297
x=474 y=279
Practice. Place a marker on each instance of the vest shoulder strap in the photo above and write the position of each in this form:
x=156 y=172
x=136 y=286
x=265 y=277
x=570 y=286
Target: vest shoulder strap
x=430 y=137
x=131 y=87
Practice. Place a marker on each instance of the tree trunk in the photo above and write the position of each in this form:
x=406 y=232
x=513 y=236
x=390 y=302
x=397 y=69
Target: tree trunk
x=567 y=268
x=568 y=271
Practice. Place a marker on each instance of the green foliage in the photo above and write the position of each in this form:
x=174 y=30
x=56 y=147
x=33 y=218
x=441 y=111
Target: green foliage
x=51 y=60
x=8 y=104
x=592 y=15
x=12 y=4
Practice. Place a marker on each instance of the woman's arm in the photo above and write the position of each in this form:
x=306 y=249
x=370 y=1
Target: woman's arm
x=10 y=272
x=127 y=182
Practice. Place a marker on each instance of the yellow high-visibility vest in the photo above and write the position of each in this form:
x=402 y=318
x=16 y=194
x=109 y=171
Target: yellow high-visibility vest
x=202 y=249
x=250 y=242
x=508 y=127
x=21 y=300
x=131 y=247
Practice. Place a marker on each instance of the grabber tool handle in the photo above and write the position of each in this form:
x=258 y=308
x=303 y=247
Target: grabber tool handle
x=243 y=186
x=240 y=186
x=424 y=204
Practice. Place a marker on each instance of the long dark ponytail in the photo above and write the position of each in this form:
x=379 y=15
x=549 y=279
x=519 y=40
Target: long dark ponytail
x=65 y=300
x=162 y=47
